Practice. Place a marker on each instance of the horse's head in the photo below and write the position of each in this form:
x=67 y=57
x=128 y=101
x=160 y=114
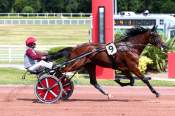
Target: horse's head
x=156 y=40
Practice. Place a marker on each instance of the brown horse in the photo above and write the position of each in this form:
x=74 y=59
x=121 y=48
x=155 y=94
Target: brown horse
x=126 y=59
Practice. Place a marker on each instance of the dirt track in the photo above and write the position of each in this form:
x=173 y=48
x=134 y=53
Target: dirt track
x=86 y=101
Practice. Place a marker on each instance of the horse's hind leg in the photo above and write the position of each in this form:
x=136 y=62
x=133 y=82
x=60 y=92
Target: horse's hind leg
x=91 y=70
x=129 y=76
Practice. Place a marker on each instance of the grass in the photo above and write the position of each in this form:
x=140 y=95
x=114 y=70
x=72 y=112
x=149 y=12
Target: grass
x=46 y=34
x=13 y=76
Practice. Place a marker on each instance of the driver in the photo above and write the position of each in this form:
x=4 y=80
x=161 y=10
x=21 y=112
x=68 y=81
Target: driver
x=33 y=59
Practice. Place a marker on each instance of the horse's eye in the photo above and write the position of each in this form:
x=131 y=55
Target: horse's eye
x=152 y=33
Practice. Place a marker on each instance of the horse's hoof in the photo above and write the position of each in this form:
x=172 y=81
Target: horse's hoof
x=109 y=96
x=147 y=78
x=157 y=95
x=117 y=80
x=131 y=84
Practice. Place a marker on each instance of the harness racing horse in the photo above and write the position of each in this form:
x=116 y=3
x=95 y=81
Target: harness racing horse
x=126 y=59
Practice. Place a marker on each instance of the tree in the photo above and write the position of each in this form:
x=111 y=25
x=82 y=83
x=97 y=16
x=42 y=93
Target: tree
x=128 y=5
x=19 y=5
x=28 y=9
x=43 y=5
x=138 y=6
x=35 y=5
x=6 y=5
x=168 y=7
x=52 y=5
x=155 y=6
x=85 y=6
x=134 y=5
x=71 y=6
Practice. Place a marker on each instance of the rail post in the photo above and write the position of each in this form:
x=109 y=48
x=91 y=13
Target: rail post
x=171 y=65
x=102 y=31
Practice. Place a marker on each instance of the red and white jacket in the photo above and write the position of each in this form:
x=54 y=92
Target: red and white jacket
x=31 y=57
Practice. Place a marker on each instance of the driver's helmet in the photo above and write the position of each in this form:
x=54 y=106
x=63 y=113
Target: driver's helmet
x=31 y=41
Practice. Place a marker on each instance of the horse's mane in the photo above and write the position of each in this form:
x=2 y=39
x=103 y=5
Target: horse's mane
x=133 y=32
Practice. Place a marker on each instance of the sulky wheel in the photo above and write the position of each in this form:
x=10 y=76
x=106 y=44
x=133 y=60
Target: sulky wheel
x=48 y=89
x=68 y=88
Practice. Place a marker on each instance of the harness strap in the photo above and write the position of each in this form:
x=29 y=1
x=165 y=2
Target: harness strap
x=81 y=56
x=112 y=56
x=113 y=61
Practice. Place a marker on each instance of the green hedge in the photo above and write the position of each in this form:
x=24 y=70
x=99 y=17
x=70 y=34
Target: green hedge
x=54 y=50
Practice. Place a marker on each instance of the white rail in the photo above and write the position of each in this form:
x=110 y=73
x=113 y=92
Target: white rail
x=15 y=54
x=44 y=21
x=44 y=15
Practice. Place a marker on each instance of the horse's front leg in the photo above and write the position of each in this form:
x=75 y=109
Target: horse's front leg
x=129 y=76
x=137 y=72
x=91 y=70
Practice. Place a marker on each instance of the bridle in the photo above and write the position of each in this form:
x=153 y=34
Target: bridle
x=155 y=39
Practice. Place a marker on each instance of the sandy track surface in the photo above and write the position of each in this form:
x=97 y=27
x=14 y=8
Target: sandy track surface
x=87 y=101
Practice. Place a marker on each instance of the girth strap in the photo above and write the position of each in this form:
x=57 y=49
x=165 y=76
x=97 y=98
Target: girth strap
x=114 y=64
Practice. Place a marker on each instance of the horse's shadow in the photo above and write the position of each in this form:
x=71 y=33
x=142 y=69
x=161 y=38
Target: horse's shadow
x=103 y=100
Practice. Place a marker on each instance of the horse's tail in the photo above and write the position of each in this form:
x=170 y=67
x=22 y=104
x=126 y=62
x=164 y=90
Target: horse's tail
x=61 y=53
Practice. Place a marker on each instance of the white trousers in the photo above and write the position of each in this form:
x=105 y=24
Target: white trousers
x=41 y=64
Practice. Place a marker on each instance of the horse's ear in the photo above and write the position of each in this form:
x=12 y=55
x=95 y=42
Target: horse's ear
x=154 y=28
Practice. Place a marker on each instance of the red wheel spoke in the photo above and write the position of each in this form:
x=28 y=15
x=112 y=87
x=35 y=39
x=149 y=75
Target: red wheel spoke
x=54 y=85
x=55 y=95
x=45 y=95
x=47 y=83
x=65 y=92
x=66 y=84
x=41 y=88
x=68 y=89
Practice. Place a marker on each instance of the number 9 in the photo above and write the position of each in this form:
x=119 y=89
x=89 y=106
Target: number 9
x=111 y=48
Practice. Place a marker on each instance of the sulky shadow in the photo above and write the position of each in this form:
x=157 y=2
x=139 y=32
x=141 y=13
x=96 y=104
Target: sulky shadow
x=28 y=99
